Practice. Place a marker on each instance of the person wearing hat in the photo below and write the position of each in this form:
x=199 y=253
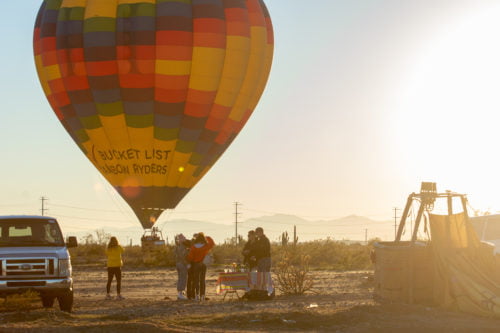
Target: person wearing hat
x=248 y=252
x=181 y=263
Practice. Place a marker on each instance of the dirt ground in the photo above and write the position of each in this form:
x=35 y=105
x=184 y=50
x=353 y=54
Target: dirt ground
x=341 y=302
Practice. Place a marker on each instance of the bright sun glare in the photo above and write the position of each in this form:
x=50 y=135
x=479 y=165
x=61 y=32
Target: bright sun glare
x=450 y=110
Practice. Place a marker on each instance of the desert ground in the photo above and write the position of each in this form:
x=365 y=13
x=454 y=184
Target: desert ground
x=340 y=302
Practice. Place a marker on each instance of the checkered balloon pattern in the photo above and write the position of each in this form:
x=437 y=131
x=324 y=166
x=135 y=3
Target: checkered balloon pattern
x=153 y=91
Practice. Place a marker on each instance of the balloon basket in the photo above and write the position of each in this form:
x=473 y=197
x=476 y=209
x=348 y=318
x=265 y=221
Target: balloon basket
x=152 y=245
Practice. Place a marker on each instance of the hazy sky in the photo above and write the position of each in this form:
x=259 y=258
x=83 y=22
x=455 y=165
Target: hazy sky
x=366 y=99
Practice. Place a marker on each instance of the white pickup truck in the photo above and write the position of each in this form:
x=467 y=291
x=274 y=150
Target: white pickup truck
x=34 y=256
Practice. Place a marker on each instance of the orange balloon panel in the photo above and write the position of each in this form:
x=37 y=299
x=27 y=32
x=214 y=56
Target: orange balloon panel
x=153 y=91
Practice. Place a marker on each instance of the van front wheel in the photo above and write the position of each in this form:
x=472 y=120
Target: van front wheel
x=66 y=301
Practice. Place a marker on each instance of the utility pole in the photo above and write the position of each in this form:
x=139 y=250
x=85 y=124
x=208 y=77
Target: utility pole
x=43 y=209
x=395 y=221
x=294 y=235
x=236 y=204
x=366 y=236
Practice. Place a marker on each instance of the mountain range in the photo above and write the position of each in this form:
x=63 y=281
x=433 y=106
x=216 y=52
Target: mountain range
x=353 y=227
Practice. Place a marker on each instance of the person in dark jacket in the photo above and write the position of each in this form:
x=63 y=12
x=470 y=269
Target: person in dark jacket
x=262 y=251
x=190 y=280
x=249 y=259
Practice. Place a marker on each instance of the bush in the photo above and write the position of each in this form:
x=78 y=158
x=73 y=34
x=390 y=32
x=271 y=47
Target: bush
x=322 y=254
x=85 y=254
x=21 y=302
x=293 y=275
x=226 y=254
x=330 y=254
x=133 y=256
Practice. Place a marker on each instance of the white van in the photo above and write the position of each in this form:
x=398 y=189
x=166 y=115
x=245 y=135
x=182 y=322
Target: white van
x=34 y=256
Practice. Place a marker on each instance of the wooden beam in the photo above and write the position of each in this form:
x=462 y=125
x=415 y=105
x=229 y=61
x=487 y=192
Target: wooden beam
x=403 y=217
x=417 y=222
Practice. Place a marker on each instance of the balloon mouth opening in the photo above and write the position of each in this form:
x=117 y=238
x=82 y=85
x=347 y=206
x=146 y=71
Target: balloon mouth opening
x=149 y=216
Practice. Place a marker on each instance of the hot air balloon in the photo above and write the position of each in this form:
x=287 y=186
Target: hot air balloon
x=153 y=91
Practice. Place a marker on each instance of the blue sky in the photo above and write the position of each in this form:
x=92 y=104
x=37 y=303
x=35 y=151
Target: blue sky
x=366 y=99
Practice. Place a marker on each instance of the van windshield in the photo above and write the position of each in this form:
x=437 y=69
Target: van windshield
x=30 y=232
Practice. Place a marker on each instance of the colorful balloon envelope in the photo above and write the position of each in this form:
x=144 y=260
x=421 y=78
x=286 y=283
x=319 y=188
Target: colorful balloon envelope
x=153 y=91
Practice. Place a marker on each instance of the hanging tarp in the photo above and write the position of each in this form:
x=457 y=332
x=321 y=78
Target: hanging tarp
x=488 y=229
x=467 y=272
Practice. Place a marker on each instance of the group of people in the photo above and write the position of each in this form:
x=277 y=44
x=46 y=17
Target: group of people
x=191 y=263
x=257 y=251
x=191 y=258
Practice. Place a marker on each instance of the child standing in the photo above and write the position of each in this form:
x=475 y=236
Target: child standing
x=114 y=253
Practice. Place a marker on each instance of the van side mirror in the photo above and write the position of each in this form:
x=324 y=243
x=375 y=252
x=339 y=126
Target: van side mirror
x=72 y=242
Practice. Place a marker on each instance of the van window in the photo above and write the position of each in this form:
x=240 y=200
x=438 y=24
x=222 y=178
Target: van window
x=30 y=232
x=19 y=231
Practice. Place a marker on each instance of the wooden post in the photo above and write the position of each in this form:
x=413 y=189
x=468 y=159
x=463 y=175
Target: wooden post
x=417 y=222
x=411 y=249
x=464 y=204
x=403 y=217
x=449 y=200
x=450 y=204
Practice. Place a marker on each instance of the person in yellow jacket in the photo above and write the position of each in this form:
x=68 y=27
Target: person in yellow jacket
x=114 y=253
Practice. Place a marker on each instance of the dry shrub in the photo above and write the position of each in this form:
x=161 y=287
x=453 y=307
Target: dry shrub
x=21 y=302
x=330 y=254
x=88 y=254
x=293 y=274
x=156 y=257
x=227 y=253
x=323 y=254
x=133 y=256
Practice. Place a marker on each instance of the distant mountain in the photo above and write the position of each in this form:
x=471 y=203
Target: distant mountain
x=346 y=228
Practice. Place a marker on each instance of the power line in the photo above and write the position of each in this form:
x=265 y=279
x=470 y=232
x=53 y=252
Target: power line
x=15 y=205
x=174 y=212
x=119 y=211
x=113 y=195
x=84 y=208
x=237 y=221
x=282 y=213
x=92 y=219
x=308 y=216
x=250 y=221
x=200 y=211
